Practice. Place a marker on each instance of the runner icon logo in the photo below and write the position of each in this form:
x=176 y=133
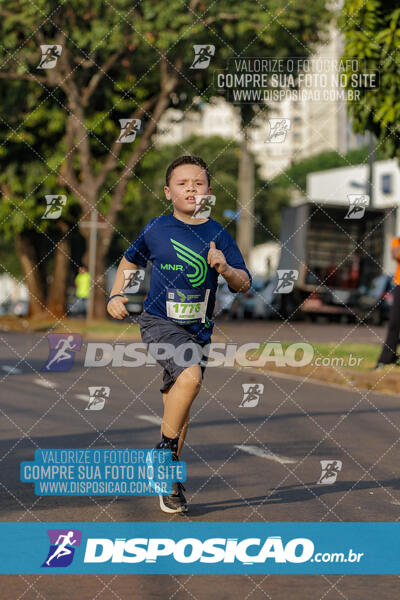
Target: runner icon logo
x=202 y=55
x=204 y=203
x=357 y=205
x=132 y=280
x=278 y=130
x=62 y=351
x=54 y=206
x=330 y=470
x=97 y=397
x=251 y=394
x=62 y=547
x=286 y=280
x=50 y=55
x=129 y=129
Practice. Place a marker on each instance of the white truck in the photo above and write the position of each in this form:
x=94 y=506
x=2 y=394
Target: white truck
x=339 y=259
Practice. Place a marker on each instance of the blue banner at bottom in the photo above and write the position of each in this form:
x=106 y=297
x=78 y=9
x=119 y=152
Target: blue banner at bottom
x=208 y=548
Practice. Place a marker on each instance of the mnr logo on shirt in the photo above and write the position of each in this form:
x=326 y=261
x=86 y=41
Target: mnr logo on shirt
x=195 y=260
x=169 y=267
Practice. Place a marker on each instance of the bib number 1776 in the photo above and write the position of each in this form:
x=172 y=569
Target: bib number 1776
x=186 y=307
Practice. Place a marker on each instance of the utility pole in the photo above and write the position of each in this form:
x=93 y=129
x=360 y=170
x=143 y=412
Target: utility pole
x=371 y=158
x=245 y=204
x=94 y=225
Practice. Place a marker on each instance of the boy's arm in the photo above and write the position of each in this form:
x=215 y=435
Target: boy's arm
x=116 y=306
x=237 y=279
x=119 y=281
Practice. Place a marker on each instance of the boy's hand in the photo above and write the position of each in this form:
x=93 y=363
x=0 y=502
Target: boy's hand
x=216 y=259
x=116 y=307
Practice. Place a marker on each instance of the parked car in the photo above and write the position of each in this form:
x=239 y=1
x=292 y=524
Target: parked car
x=76 y=306
x=20 y=308
x=375 y=301
x=250 y=297
x=223 y=300
x=344 y=302
x=135 y=299
x=267 y=305
x=243 y=305
x=5 y=307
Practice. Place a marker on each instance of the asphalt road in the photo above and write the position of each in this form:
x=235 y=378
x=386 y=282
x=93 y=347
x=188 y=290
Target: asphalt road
x=244 y=464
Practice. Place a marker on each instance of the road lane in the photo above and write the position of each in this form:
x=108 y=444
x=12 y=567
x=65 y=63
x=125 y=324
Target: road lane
x=303 y=422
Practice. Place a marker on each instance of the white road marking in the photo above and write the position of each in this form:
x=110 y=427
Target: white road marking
x=151 y=418
x=11 y=369
x=84 y=397
x=44 y=383
x=256 y=451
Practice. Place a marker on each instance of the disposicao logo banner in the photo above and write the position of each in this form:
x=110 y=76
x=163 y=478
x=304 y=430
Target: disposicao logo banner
x=161 y=548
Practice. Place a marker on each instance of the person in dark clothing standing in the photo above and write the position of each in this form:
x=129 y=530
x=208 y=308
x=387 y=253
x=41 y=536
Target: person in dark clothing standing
x=389 y=351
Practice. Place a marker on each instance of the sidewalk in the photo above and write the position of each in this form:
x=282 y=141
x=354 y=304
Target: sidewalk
x=360 y=378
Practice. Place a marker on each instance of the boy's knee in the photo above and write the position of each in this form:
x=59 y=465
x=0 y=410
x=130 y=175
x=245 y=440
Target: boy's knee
x=191 y=376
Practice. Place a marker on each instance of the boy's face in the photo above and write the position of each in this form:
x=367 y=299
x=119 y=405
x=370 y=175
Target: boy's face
x=185 y=182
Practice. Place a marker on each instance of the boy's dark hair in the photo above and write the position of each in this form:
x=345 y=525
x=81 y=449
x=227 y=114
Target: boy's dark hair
x=187 y=160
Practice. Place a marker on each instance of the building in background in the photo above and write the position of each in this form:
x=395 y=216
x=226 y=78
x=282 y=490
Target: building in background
x=315 y=126
x=214 y=118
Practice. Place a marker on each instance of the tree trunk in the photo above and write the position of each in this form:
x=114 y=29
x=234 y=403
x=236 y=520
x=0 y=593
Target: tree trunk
x=98 y=286
x=100 y=292
x=57 y=301
x=28 y=258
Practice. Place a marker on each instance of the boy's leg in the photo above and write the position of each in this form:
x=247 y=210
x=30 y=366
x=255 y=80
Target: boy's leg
x=178 y=401
x=182 y=435
x=184 y=429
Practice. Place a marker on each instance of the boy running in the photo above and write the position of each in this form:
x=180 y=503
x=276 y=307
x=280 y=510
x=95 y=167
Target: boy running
x=187 y=255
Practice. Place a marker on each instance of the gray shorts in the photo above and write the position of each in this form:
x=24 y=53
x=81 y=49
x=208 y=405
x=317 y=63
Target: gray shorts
x=157 y=329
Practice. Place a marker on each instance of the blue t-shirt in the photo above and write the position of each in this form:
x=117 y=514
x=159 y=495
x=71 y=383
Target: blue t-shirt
x=182 y=284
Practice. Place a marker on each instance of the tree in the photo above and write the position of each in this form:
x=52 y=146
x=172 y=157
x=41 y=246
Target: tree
x=371 y=32
x=115 y=61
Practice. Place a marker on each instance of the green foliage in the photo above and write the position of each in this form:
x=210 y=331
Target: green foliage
x=32 y=133
x=9 y=262
x=296 y=175
x=372 y=34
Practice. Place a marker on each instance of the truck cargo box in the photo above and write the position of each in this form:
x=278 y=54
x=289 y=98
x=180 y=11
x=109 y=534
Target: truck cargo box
x=334 y=256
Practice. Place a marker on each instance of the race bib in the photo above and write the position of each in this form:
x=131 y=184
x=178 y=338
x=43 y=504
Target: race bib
x=187 y=306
